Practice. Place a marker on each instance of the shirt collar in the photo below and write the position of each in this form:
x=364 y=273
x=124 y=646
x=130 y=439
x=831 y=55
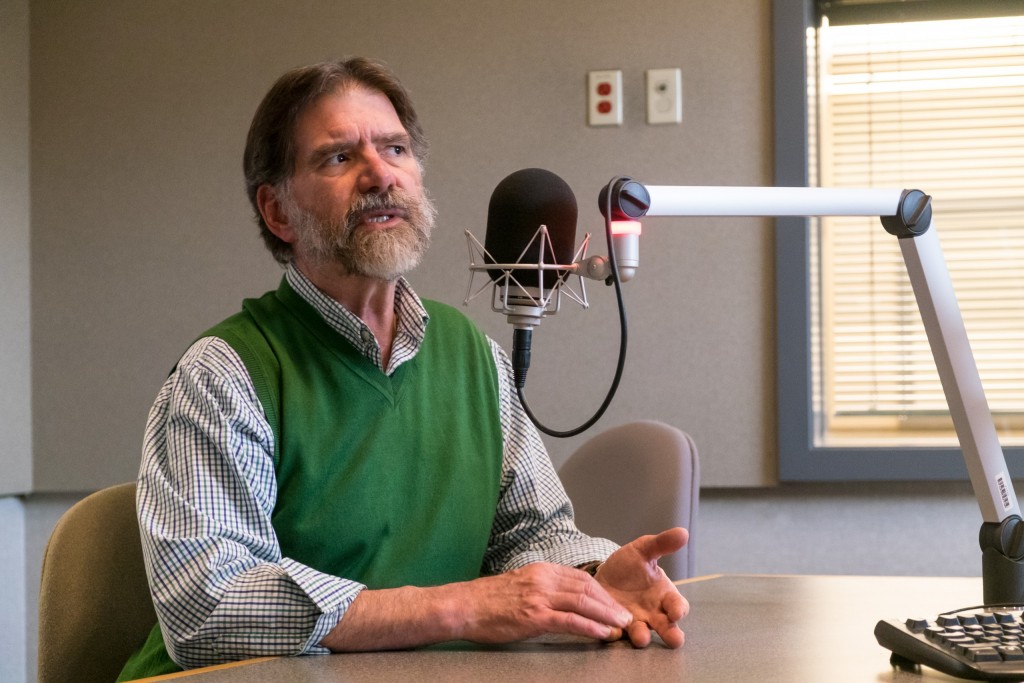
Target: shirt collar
x=412 y=319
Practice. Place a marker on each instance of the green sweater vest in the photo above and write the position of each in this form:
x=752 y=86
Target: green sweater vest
x=388 y=481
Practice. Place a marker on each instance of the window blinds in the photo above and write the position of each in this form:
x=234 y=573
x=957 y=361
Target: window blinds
x=936 y=106
x=846 y=12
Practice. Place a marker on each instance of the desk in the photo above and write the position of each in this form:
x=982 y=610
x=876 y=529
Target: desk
x=791 y=629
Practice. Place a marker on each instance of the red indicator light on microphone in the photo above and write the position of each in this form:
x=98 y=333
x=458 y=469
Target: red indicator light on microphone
x=625 y=227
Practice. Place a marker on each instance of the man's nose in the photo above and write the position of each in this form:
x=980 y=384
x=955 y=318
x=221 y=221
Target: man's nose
x=377 y=175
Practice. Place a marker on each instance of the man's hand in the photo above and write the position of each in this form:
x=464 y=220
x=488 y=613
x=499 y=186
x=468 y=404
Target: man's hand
x=538 y=599
x=632 y=576
x=630 y=594
x=534 y=600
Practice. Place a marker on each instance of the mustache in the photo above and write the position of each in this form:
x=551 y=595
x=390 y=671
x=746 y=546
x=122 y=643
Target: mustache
x=392 y=200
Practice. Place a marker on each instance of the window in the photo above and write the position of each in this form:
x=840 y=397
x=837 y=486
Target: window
x=939 y=106
x=897 y=94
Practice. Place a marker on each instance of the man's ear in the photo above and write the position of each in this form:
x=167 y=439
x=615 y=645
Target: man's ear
x=272 y=209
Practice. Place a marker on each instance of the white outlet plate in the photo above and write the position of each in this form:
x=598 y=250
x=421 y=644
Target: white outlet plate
x=604 y=98
x=664 y=96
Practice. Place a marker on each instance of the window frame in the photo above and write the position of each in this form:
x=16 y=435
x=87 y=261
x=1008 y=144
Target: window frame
x=799 y=458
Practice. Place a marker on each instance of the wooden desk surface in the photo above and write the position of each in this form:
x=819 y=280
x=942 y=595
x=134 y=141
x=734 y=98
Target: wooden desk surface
x=792 y=629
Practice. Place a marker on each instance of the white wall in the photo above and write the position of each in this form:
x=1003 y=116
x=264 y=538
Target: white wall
x=15 y=343
x=139 y=113
x=918 y=529
x=13 y=602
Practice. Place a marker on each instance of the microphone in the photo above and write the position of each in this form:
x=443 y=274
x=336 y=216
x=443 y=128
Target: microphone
x=531 y=220
x=531 y=235
x=520 y=204
x=528 y=255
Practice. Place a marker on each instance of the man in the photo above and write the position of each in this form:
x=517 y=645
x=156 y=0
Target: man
x=342 y=466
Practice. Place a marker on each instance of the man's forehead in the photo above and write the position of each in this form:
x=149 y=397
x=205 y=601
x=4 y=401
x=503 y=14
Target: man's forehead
x=354 y=104
x=352 y=112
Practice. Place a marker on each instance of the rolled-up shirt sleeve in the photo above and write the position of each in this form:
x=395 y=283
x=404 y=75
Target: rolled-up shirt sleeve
x=206 y=491
x=534 y=518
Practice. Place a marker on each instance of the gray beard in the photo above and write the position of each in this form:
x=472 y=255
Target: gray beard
x=379 y=254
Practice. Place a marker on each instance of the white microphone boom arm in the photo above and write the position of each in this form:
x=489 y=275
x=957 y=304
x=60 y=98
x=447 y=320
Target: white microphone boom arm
x=907 y=215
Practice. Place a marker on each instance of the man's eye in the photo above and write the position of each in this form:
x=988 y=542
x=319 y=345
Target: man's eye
x=398 y=150
x=336 y=159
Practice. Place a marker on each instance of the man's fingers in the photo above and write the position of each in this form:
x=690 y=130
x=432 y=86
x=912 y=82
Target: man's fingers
x=672 y=636
x=675 y=606
x=614 y=634
x=665 y=543
x=593 y=602
x=575 y=624
x=639 y=634
x=566 y=600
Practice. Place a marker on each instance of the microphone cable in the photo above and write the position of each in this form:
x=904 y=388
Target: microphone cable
x=524 y=351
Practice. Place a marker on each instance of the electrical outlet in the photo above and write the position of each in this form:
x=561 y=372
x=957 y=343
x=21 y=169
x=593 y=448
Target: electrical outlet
x=664 y=96
x=604 y=98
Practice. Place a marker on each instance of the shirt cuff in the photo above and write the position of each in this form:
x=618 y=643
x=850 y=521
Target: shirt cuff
x=331 y=595
x=568 y=553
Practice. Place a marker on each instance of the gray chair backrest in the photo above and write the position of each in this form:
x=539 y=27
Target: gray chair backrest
x=95 y=608
x=639 y=478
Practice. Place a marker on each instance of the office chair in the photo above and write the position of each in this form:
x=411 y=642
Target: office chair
x=95 y=608
x=639 y=478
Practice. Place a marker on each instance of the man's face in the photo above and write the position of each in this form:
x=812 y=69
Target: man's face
x=356 y=196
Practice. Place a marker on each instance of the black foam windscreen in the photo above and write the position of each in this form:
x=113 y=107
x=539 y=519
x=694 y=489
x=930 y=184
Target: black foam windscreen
x=520 y=204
